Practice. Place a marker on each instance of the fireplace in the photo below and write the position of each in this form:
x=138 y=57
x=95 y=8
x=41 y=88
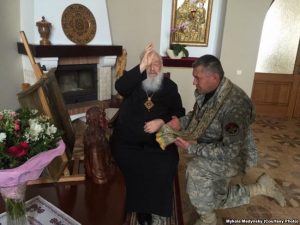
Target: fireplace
x=78 y=83
x=102 y=58
x=99 y=49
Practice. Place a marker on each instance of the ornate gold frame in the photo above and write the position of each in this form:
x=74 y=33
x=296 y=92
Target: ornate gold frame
x=190 y=22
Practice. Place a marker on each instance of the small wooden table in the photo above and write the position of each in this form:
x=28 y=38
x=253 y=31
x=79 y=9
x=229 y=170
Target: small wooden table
x=86 y=202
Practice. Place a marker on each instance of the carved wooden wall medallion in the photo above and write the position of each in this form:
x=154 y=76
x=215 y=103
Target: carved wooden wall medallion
x=78 y=24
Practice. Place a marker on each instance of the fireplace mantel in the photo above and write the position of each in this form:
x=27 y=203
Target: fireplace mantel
x=41 y=51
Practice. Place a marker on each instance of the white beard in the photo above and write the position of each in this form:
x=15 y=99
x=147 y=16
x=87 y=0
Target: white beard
x=153 y=84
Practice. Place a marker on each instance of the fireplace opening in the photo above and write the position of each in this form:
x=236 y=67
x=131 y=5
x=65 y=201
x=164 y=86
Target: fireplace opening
x=78 y=83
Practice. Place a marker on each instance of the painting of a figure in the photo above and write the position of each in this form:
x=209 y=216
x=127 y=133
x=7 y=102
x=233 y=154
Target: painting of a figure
x=191 y=22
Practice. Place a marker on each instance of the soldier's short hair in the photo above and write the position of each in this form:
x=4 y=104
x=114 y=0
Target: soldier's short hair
x=210 y=63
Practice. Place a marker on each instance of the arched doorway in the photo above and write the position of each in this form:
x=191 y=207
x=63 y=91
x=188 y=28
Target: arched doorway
x=276 y=89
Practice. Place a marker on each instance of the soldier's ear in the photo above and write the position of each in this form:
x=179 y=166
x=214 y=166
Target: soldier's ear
x=215 y=77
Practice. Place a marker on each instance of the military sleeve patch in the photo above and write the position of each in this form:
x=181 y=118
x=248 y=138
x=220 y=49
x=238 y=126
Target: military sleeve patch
x=232 y=128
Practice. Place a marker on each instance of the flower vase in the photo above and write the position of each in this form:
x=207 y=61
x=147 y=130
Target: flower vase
x=14 y=197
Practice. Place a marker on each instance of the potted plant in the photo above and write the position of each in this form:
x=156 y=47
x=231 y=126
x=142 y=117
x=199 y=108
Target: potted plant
x=177 y=51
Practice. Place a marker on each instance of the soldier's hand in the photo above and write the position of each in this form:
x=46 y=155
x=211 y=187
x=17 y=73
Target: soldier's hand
x=174 y=123
x=181 y=143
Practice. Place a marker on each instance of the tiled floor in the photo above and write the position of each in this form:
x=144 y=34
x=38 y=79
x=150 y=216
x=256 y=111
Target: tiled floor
x=278 y=143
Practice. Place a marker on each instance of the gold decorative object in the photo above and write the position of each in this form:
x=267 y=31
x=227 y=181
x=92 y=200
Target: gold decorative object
x=191 y=22
x=148 y=104
x=44 y=28
x=78 y=24
x=120 y=67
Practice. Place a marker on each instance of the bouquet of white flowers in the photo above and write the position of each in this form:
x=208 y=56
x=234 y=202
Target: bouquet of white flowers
x=28 y=143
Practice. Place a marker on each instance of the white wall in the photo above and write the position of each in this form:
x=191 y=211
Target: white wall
x=135 y=23
x=33 y=10
x=241 y=38
x=184 y=80
x=10 y=60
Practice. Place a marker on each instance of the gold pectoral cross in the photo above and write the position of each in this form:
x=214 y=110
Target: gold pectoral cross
x=149 y=104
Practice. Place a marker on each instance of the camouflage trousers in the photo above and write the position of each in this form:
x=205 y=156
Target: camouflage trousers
x=208 y=186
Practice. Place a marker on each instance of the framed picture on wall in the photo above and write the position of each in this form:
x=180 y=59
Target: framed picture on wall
x=190 y=22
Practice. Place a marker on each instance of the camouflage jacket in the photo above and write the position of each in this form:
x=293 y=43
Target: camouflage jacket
x=228 y=139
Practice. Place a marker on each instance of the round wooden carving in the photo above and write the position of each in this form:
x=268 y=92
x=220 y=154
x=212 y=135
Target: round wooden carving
x=78 y=24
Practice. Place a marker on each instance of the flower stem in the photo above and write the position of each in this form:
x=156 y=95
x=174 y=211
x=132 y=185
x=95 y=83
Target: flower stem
x=15 y=207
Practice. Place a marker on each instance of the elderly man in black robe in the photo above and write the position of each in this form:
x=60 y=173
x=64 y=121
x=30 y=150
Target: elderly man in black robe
x=150 y=101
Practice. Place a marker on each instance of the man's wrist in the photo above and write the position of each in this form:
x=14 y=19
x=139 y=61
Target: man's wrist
x=142 y=68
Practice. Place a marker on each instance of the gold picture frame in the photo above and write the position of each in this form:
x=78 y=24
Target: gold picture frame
x=190 y=22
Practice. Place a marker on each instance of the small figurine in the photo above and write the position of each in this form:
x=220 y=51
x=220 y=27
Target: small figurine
x=98 y=161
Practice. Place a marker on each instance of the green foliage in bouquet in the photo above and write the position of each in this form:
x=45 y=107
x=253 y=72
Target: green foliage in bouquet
x=178 y=48
x=24 y=134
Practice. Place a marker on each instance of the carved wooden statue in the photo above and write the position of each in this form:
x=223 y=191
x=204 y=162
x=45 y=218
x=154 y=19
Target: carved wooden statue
x=98 y=161
x=121 y=63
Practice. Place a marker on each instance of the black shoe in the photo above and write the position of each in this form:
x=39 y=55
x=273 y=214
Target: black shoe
x=144 y=218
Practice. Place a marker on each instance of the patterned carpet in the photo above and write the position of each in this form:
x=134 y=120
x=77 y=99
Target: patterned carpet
x=278 y=143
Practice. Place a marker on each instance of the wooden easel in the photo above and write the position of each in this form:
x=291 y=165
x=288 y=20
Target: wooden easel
x=58 y=170
x=37 y=72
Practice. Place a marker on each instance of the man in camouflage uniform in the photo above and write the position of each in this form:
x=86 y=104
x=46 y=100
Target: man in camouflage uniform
x=217 y=132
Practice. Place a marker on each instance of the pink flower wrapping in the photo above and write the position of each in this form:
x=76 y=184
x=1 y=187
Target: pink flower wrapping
x=31 y=169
